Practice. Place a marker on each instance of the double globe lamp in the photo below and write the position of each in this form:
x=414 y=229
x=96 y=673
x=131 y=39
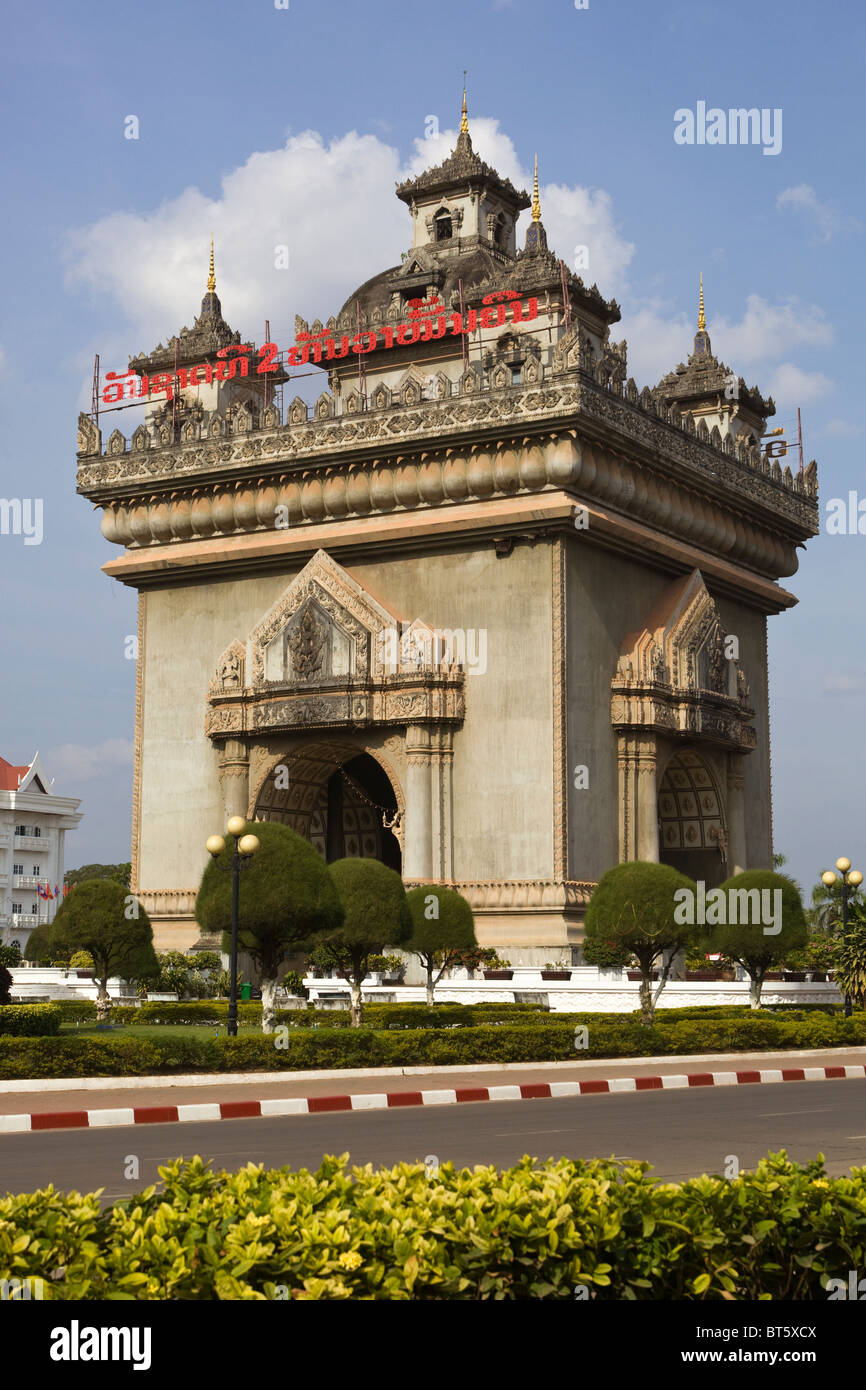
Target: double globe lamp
x=851 y=880
x=245 y=847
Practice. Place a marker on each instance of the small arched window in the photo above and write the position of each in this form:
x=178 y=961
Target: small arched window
x=499 y=231
x=443 y=225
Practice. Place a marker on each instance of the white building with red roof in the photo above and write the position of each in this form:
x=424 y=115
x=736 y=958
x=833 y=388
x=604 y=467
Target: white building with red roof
x=33 y=825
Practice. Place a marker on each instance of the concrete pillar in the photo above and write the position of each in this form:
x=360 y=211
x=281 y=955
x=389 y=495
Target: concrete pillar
x=418 y=836
x=442 y=789
x=234 y=774
x=638 y=797
x=736 y=815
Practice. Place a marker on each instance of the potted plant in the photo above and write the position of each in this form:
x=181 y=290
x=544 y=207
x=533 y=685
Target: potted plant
x=556 y=970
x=390 y=969
x=699 y=966
x=495 y=968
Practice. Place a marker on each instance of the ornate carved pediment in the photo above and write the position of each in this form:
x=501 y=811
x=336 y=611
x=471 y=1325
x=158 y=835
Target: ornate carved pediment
x=328 y=653
x=321 y=629
x=676 y=673
x=229 y=677
x=89 y=437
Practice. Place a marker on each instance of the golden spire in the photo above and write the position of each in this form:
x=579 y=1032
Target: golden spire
x=464 y=120
x=211 y=278
x=702 y=320
x=536 y=203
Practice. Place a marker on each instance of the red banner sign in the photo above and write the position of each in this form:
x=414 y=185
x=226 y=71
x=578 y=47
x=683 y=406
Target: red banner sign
x=428 y=320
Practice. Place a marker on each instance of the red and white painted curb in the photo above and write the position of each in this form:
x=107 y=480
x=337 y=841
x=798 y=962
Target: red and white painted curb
x=393 y=1100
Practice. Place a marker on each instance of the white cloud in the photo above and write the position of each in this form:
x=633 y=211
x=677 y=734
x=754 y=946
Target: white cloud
x=825 y=218
x=656 y=341
x=659 y=338
x=844 y=683
x=842 y=429
x=78 y=762
x=572 y=215
x=769 y=330
x=792 y=386
x=332 y=205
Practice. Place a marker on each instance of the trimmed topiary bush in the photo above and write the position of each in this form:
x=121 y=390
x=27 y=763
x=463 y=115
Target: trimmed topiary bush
x=634 y=908
x=101 y=917
x=287 y=898
x=376 y=914
x=746 y=940
x=442 y=926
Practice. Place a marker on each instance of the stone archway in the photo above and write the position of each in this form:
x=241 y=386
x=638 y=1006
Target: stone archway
x=692 y=834
x=338 y=796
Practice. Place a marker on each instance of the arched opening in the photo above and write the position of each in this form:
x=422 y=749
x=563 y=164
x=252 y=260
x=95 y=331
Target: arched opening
x=340 y=799
x=691 y=825
x=499 y=232
x=444 y=229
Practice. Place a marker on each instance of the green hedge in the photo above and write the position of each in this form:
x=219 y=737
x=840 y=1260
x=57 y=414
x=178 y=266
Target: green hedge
x=29 y=1020
x=76 y=1010
x=310 y=1049
x=594 y=1229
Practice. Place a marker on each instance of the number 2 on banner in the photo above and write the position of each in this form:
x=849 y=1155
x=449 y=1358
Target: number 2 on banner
x=269 y=363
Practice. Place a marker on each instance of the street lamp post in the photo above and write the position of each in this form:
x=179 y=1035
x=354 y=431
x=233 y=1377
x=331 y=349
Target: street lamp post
x=245 y=848
x=851 y=879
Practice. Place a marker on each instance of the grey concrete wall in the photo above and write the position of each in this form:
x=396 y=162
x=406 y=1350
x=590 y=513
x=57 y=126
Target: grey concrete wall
x=503 y=759
x=503 y=765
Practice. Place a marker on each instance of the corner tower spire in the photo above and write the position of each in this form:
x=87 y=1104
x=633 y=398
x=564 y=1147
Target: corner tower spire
x=702 y=337
x=536 y=201
x=464 y=118
x=536 y=236
x=210 y=305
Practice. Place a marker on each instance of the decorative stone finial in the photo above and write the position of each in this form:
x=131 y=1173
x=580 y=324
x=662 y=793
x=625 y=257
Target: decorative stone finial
x=464 y=119
x=211 y=279
x=536 y=202
x=702 y=318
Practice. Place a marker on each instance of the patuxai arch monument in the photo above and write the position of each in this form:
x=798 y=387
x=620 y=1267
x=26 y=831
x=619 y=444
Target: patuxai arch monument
x=485 y=610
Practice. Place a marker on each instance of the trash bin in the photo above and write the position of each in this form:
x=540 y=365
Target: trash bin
x=246 y=991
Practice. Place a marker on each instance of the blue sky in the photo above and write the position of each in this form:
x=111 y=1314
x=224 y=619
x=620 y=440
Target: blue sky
x=289 y=126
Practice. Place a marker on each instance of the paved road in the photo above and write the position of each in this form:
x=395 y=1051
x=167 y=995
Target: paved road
x=683 y=1133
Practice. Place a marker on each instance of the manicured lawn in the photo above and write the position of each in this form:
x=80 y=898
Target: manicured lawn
x=165 y=1031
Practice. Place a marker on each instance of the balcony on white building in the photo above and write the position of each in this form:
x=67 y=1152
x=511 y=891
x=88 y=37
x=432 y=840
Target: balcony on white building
x=22 y=919
x=28 y=881
x=32 y=842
